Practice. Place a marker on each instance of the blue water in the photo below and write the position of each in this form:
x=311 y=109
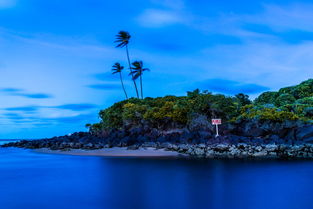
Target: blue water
x=30 y=180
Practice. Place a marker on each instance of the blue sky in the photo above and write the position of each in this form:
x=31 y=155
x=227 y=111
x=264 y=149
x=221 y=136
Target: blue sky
x=56 y=55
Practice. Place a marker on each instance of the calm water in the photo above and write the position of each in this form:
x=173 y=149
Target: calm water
x=41 y=181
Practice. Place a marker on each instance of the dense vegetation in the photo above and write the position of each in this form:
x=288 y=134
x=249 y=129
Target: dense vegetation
x=291 y=103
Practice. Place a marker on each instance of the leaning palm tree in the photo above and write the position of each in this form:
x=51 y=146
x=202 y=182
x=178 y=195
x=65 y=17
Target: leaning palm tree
x=122 y=38
x=118 y=68
x=137 y=71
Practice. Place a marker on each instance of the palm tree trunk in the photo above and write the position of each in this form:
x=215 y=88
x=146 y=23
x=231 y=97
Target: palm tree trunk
x=131 y=71
x=123 y=85
x=141 y=86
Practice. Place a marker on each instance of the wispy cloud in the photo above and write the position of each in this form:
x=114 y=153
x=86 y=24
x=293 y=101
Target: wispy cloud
x=11 y=90
x=230 y=87
x=107 y=76
x=23 y=93
x=76 y=107
x=173 y=4
x=34 y=96
x=23 y=109
x=284 y=17
x=72 y=119
x=7 y=3
x=108 y=86
x=72 y=107
x=155 y=18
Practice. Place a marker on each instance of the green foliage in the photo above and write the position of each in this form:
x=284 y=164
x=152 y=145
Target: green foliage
x=263 y=113
x=133 y=112
x=266 y=98
x=161 y=110
x=243 y=99
x=291 y=103
x=306 y=100
x=284 y=99
x=287 y=95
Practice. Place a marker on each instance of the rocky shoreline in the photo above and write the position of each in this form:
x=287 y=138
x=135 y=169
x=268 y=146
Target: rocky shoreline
x=245 y=139
x=216 y=147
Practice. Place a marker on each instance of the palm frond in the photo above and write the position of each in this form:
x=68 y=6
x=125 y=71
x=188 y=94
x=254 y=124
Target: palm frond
x=122 y=38
x=136 y=76
x=117 y=68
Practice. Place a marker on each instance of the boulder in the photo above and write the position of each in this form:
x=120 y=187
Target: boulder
x=305 y=133
x=199 y=122
x=149 y=144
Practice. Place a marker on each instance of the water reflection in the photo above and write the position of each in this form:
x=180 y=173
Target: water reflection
x=31 y=180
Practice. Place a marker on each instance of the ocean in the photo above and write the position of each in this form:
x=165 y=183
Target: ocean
x=30 y=180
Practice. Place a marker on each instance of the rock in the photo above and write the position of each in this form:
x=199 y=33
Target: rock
x=271 y=148
x=210 y=153
x=258 y=148
x=205 y=134
x=233 y=151
x=175 y=147
x=221 y=148
x=199 y=122
x=136 y=131
x=262 y=153
x=183 y=147
x=305 y=133
x=133 y=147
x=161 y=139
x=166 y=145
x=149 y=144
x=154 y=134
x=202 y=146
x=199 y=152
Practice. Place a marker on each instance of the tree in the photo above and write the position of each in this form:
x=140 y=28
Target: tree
x=137 y=72
x=243 y=99
x=118 y=68
x=268 y=97
x=284 y=99
x=122 y=38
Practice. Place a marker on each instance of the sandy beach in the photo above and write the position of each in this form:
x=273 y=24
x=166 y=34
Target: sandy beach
x=115 y=152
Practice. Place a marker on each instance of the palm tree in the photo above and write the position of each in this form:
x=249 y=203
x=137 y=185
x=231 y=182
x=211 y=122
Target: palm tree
x=122 y=38
x=118 y=68
x=137 y=71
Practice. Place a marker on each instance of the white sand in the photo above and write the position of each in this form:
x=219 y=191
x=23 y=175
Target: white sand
x=116 y=152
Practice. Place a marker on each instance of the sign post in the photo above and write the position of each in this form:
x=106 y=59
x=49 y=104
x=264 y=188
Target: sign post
x=216 y=122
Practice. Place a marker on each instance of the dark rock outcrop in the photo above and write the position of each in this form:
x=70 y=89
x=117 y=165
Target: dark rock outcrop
x=254 y=138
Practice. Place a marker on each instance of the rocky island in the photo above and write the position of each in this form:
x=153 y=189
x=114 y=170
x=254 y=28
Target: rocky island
x=274 y=125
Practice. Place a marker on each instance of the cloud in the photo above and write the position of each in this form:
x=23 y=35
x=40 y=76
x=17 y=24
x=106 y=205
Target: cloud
x=23 y=109
x=20 y=118
x=7 y=4
x=74 y=119
x=109 y=86
x=34 y=96
x=72 y=107
x=156 y=18
x=272 y=22
x=23 y=93
x=10 y=90
x=107 y=76
x=173 y=4
x=14 y=116
x=230 y=87
x=76 y=107
x=292 y=16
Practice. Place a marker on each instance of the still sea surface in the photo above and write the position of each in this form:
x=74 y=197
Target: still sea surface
x=30 y=180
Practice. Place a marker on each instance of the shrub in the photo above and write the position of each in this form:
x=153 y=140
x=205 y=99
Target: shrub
x=284 y=99
x=266 y=98
x=272 y=114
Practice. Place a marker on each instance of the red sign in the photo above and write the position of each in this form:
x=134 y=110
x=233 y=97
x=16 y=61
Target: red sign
x=216 y=121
